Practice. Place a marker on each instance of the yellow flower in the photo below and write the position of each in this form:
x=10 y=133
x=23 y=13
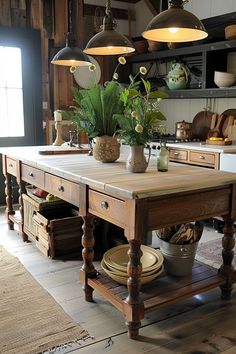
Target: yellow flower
x=139 y=128
x=92 y=67
x=115 y=76
x=143 y=70
x=73 y=69
x=134 y=114
x=122 y=60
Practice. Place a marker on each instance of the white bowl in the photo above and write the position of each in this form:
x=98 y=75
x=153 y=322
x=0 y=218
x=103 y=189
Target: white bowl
x=224 y=79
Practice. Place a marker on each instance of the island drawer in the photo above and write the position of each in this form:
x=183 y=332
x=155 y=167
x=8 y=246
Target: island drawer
x=202 y=158
x=62 y=188
x=32 y=175
x=11 y=166
x=176 y=154
x=106 y=207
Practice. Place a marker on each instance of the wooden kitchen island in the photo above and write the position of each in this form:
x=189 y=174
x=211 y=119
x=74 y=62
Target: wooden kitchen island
x=138 y=203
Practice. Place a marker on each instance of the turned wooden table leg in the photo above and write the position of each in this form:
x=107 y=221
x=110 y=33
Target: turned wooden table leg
x=134 y=311
x=22 y=190
x=88 y=270
x=9 y=200
x=228 y=243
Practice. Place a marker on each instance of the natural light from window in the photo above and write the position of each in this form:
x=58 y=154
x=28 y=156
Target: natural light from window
x=11 y=94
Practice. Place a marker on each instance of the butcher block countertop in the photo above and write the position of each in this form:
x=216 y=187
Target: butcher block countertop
x=222 y=149
x=114 y=179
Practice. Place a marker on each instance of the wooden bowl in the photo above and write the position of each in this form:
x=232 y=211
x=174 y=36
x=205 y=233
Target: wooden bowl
x=230 y=32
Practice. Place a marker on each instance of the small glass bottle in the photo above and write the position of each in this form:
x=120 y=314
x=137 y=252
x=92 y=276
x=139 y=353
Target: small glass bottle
x=163 y=159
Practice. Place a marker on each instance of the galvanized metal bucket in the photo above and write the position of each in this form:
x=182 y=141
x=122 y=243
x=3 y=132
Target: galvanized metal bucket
x=178 y=259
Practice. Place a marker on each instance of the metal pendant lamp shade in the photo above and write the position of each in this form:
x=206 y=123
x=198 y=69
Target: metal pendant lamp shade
x=175 y=25
x=108 y=41
x=71 y=55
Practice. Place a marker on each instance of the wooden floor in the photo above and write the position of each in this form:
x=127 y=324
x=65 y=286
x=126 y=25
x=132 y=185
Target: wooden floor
x=201 y=325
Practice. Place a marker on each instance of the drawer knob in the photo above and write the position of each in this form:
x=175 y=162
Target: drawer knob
x=31 y=174
x=104 y=205
x=202 y=157
x=61 y=189
x=176 y=153
x=10 y=165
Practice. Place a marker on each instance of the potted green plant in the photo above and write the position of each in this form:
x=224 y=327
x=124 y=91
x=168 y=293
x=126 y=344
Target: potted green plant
x=140 y=119
x=95 y=113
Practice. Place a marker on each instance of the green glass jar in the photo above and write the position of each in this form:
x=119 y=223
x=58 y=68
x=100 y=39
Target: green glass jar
x=163 y=159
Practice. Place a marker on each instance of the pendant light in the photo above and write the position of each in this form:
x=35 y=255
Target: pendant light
x=175 y=25
x=108 y=41
x=71 y=55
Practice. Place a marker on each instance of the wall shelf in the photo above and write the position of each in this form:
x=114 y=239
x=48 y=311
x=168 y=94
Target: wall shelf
x=212 y=57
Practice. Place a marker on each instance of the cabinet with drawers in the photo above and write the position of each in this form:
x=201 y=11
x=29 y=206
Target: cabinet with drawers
x=195 y=157
x=32 y=175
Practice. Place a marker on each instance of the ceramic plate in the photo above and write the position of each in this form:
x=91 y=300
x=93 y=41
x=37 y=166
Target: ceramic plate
x=86 y=78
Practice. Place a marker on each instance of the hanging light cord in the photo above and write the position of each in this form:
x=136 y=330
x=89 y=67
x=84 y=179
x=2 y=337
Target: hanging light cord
x=70 y=36
x=108 y=21
x=108 y=7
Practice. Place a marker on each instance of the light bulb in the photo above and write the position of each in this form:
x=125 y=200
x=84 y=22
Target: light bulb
x=173 y=29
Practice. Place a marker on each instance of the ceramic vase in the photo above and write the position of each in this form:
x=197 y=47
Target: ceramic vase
x=106 y=149
x=137 y=162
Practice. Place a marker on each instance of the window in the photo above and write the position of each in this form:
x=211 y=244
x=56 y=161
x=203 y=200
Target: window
x=11 y=93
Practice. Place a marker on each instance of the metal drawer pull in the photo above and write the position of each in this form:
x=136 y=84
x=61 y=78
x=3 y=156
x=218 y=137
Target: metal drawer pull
x=104 y=205
x=31 y=174
x=61 y=189
x=202 y=157
x=10 y=165
x=176 y=153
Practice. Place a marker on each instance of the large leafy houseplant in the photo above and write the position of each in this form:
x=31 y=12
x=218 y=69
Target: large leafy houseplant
x=96 y=108
x=96 y=113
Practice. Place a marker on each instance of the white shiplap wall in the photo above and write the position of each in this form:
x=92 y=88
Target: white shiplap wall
x=179 y=109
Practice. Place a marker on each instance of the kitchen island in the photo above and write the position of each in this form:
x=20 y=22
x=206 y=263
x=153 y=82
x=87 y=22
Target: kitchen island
x=138 y=203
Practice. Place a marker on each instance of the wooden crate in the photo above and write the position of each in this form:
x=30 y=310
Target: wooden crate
x=32 y=204
x=59 y=231
x=55 y=226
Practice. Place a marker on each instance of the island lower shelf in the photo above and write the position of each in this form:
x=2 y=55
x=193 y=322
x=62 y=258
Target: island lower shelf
x=162 y=291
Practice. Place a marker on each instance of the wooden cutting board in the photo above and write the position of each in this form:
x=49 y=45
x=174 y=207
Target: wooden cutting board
x=201 y=125
x=231 y=112
x=64 y=151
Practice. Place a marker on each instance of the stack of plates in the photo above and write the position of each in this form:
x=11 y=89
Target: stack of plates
x=115 y=260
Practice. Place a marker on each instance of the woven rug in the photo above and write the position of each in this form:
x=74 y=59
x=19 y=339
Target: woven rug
x=211 y=253
x=30 y=319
